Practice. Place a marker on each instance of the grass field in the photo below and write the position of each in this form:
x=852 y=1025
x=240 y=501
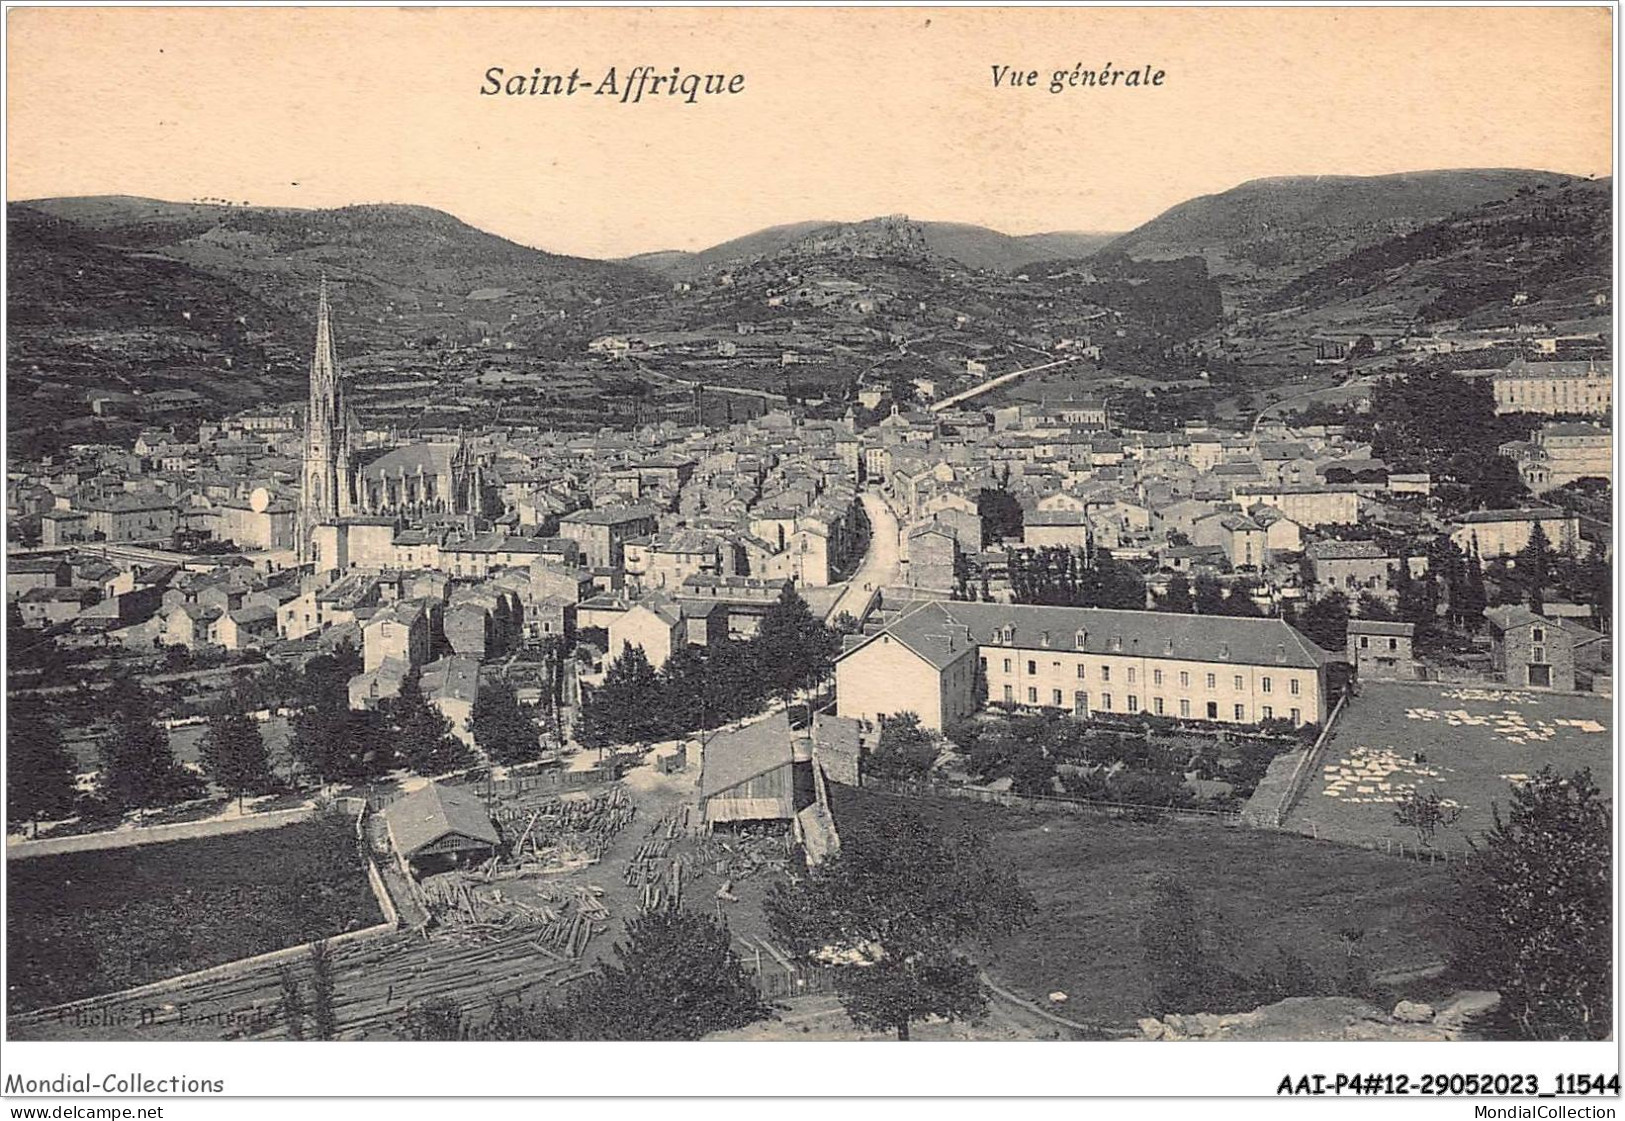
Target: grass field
x=1473 y=743
x=1094 y=880
x=87 y=923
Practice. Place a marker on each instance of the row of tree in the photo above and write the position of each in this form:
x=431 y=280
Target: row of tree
x=330 y=742
x=699 y=688
x=1057 y=576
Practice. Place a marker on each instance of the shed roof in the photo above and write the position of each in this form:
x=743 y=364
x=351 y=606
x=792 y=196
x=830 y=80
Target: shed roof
x=733 y=757
x=433 y=812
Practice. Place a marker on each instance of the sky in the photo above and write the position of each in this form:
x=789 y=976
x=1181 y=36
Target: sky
x=844 y=113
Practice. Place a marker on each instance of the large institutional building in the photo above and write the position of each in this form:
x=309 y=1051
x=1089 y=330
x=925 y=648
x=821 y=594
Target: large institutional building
x=340 y=483
x=944 y=661
x=1555 y=388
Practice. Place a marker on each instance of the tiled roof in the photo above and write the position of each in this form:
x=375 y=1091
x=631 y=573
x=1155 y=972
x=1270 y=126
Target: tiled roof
x=434 y=811
x=941 y=633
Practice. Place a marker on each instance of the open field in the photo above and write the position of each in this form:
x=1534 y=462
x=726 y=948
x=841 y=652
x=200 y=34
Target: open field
x=1094 y=880
x=82 y=924
x=1470 y=744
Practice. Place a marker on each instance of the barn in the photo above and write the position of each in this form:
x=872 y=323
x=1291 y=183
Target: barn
x=747 y=775
x=436 y=828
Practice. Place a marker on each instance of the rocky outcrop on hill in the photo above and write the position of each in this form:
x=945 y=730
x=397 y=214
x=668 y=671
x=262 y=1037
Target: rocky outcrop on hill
x=1308 y=1018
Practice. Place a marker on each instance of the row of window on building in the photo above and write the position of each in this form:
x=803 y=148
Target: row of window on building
x=1081 y=705
x=1265 y=684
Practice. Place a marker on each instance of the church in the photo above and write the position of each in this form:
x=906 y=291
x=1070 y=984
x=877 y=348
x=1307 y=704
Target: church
x=343 y=479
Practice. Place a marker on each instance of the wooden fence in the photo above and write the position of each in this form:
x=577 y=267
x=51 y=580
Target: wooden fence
x=554 y=780
x=775 y=975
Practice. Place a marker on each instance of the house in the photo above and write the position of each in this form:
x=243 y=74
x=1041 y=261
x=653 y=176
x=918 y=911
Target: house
x=438 y=827
x=131 y=517
x=944 y=661
x=602 y=533
x=1529 y=650
x=1489 y=534
x=25 y=573
x=654 y=623
x=452 y=685
x=1558 y=454
x=380 y=683
x=1350 y=567
x=1066 y=528
x=932 y=553
x=63 y=527
x=190 y=624
x=1381 y=650
x=247 y=626
x=747 y=775
x=48 y=606
x=402 y=631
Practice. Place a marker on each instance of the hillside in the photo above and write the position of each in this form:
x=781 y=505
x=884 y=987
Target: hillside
x=970 y=246
x=1543 y=255
x=1264 y=233
x=144 y=283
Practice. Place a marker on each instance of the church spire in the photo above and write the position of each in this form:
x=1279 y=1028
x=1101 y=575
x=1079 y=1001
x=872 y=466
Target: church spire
x=325 y=489
x=324 y=364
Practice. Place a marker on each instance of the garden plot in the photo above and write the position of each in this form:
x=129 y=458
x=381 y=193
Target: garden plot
x=1469 y=745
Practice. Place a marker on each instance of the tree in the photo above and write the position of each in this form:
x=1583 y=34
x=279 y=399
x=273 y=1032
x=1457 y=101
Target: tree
x=291 y=1006
x=1178 y=596
x=895 y=908
x=1497 y=485
x=1534 y=568
x=1032 y=771
x=626 y=707
x=1000 y=513
x=233 y=754
x=1369 y=606
x=676 y=977
x=138 y=769
x=502 y=728
x=1427 y=814
x=1469 y=601
x=796 y=651
x=1326 y=621
x=423 y=735
x=342 y=744
x=1209 y=599
x=440 y=1018
x=323 y=1016
x=330 y=739
x=682 y=691
x=905 y=752
x=1533 y=907
x=39 y=771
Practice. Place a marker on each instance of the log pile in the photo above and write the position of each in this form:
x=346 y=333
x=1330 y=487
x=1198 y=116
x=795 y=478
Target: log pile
x=561 y=924
x=563 y=832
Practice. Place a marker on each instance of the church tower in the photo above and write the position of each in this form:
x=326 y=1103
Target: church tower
x=324 y=493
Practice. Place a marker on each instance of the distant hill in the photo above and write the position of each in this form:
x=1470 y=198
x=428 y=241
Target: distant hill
x=975 y=247
x=1266 y=232
x=1543 y=255
x=123 y=292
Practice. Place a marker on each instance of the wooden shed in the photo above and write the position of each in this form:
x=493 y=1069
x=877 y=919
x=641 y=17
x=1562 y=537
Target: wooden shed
x=747 y=775
x=437 y=828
